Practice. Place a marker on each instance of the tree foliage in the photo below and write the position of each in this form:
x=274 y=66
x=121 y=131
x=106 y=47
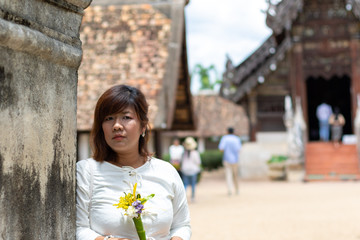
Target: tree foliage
x=206 y=77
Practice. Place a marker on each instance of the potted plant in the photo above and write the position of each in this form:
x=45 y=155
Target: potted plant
x=277 y=167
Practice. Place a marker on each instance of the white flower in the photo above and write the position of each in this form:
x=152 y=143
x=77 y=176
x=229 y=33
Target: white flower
x=131 y=212
x=151 y=215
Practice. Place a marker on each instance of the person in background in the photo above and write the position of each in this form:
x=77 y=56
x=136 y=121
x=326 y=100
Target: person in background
x=190 y=165
x=230 y=145
x=176 y=151
x=323 y=112
x=337 y=121
x=121 y=159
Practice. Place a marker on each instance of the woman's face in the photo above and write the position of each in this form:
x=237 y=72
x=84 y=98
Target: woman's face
x=122 y=131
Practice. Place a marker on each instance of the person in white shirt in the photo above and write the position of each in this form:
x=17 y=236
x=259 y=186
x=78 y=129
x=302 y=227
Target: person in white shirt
x=176 y=151
x=323 y=112
x=120 y=159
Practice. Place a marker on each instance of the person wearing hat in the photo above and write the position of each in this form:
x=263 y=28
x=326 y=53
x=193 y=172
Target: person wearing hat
x=190 y=165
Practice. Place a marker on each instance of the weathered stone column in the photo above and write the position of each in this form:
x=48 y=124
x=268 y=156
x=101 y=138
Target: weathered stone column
x=40 y=53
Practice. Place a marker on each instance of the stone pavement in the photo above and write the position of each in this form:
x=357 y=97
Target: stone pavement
x=266 y=210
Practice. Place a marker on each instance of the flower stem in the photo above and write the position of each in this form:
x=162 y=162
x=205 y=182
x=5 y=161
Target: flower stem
x=139 y=228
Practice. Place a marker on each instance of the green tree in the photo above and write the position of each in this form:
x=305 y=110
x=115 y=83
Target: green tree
x=205 y=76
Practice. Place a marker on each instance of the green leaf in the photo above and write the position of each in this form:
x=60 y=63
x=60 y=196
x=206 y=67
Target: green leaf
x=147 y=198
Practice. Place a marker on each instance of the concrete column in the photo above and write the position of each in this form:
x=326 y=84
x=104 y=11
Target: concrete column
x=357 y=127
x=166 y=143
x=40 y=52
x=201 y=144
x=355 y=74
x=83 y=146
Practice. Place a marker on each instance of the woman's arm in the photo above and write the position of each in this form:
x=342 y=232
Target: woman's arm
x=180 y=227
x=83 y=198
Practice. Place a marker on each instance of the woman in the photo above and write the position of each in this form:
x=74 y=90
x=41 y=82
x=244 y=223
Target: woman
x=190 y=165
x=120 y=159
x=337 y=121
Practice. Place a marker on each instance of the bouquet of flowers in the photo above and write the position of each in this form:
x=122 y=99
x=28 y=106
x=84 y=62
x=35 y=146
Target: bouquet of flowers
x=133 y=204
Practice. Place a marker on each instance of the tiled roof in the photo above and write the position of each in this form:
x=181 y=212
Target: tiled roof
x=134 y=44
x=214 y=115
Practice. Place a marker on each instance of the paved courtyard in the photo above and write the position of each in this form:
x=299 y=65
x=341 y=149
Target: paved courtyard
x=267 y=210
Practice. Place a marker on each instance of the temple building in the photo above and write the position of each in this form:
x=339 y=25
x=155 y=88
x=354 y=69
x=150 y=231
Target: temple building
x=313 y=54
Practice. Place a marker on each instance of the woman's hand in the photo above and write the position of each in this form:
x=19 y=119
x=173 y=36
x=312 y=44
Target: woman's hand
x=176 y=238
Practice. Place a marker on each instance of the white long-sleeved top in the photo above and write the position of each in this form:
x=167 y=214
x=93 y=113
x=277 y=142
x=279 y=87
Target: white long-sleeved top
x=191 y=163
x=176 y=151
x=100 y=185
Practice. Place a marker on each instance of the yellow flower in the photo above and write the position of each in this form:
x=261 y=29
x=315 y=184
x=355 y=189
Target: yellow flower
x=129 y=198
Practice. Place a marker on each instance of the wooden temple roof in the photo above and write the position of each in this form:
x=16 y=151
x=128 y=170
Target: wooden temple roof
x=241 y=79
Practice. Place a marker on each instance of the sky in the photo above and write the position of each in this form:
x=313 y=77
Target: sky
x=216 y=28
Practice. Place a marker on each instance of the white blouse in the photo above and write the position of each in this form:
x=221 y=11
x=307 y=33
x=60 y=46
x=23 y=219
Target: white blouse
x=100 y=185
x=191 y=163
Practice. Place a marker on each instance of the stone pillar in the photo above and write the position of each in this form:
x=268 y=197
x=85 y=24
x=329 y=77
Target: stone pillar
x=40 y=52
x=296 y=129
x=201 y=144
x=289 y=123
x=83 y=146
x=355 y=73
x=299 y=129
x=357 y=127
